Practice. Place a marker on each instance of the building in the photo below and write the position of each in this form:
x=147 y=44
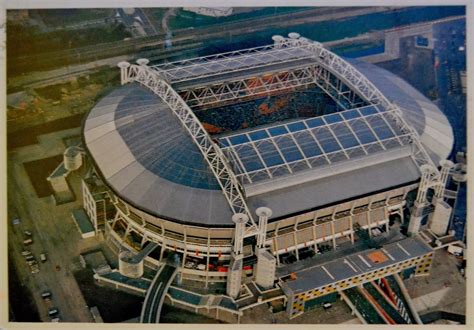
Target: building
x=211 y=11
x=185 y=153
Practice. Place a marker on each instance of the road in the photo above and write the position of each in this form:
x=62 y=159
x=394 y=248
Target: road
x=184 y=37
x=53 y=232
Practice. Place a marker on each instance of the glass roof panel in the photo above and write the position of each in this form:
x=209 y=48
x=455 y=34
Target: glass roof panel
x=288 y=149
x=310 y=142
x=238 y=139
x=270 y=154
x=258 y=135
x=277 y=130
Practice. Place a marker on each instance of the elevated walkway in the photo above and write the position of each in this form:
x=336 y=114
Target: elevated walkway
x=199 y=301
x=155 y=295
x=144 y=252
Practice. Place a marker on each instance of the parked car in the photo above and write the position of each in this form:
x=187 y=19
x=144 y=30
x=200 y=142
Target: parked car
x=43 y=257
x=53 y=311
x=26 y=252
x=201 y=267
x=327 y=305
x=46 y=295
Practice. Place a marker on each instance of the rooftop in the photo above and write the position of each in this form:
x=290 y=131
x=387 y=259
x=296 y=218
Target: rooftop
x=312 y=143
x=356 y=264
x=149 y=159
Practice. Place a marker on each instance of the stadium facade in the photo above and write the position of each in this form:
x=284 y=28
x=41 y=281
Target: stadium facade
x=232 y=196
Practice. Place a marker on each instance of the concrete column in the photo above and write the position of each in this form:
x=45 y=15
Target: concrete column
x=144 y=240
x=293 y=38
x=295 y=240
x=163 y=246
x=446 y=166
x=278 y=41
x=351 y=224
x=207 y=258
x=439 y=220
x=185 y=250
x=314 y=236
x=333 y=233
x=420 y=203
x=123 y=72
x=402 y=217
x=369 y=219
x=263 y=214
x=240 y=220
x=143 y=61
x=266 y=267
x=234 y=275
x=127 y=231
x=426 y=172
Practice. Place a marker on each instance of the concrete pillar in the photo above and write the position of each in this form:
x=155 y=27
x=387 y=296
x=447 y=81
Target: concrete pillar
x=123 y=72
x=293 y=38
x=333 y=233
x=415 y=218
x=446 y=166
x=439 y=221
x=420 y=202
x=266 y=267
x=426 y=172
x=234 y=275
x=263 y=214
x=143 y=61
x=240 y=220
x=369 y=219
x=278 y=41
x=128 y=266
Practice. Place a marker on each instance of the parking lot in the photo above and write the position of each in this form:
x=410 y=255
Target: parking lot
x=51 y=231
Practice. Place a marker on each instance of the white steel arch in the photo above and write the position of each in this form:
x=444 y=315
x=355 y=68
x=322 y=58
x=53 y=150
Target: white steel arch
x=211 y=152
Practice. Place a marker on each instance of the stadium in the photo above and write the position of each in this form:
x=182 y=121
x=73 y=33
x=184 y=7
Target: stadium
x=247 y=161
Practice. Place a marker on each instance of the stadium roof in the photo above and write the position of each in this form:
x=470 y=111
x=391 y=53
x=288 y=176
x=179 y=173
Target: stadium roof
x=148 y=158
x=423 y=115
x=312 y=143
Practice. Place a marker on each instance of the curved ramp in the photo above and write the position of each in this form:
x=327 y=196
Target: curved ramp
x=155 y=295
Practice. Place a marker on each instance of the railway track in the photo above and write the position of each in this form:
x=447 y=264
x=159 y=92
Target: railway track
x=181 y=37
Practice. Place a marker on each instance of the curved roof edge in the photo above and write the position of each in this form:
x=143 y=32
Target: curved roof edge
x=426 y=118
